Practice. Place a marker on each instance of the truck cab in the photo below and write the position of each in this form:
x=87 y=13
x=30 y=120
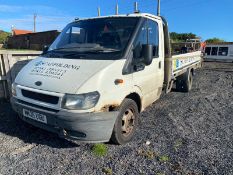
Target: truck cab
x=97 y=76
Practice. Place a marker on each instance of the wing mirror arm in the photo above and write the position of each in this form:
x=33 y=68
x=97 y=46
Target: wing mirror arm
x=45 y=49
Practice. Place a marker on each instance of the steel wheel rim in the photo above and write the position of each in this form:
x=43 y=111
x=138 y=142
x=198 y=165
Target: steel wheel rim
x=128 y=122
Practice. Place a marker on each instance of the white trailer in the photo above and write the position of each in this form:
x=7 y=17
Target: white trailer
x=219 y=52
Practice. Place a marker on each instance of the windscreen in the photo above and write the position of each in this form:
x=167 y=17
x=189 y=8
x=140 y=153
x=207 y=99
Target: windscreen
x=96 y=38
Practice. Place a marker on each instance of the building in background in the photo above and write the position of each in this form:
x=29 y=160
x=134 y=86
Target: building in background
x=20 y=32
x=219 y=52
x=22 y=39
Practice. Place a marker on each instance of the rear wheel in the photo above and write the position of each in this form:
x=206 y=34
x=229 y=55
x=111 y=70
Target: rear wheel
x=184 y=82
x=126 y=122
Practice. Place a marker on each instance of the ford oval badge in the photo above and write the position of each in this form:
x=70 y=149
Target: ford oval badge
x=38 y=83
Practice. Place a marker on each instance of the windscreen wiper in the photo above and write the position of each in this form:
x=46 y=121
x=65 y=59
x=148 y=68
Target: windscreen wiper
x=91 y=52
x=62 y=48
x=81 y=54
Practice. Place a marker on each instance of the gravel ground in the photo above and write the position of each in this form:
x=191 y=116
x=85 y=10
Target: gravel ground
x=189 y=133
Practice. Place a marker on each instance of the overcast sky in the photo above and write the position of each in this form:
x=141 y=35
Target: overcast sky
x=206 y=18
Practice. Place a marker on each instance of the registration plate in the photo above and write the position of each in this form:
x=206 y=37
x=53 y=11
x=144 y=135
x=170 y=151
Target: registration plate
x=35 y=116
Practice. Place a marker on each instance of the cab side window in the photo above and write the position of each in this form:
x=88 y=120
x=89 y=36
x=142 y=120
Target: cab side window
x=153 y=36
x=148 y=34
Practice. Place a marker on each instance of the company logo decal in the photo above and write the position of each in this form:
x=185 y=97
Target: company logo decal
x=39 y=63
x=179 y=63
x=52 y=69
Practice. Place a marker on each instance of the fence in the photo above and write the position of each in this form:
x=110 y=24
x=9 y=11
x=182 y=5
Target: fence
x=11 y=62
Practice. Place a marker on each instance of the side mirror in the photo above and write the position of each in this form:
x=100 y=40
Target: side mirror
x=147 y=54
x=45 y=49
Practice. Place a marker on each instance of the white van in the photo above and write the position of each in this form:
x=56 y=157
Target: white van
x=99 y=74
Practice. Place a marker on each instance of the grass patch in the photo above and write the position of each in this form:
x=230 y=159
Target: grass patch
x=99 y=149
x=164 y=159
x=151 y=155
x=178 y=144
x=147 y=154
x=160 y=174
x=107 y=171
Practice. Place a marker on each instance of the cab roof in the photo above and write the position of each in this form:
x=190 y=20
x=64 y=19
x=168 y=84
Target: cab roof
x=145 y=15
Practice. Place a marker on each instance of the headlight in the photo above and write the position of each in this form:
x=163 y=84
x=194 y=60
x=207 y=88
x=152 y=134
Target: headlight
x=13 y=89
x=80 y=101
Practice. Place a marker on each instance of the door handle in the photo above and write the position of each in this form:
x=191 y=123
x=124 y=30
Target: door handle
x=160 y=65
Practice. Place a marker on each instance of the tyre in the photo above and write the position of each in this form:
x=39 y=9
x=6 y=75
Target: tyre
x=184 y=82
x=126 y=122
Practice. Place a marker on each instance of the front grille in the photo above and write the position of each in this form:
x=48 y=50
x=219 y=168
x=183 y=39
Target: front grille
x=40 y=97
x=36 y=106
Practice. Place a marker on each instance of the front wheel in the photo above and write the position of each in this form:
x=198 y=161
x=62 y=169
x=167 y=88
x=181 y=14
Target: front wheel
x=126 y=122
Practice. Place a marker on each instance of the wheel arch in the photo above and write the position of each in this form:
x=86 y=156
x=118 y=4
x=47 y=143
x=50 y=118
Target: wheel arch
x=135 y=97
x=192 y=71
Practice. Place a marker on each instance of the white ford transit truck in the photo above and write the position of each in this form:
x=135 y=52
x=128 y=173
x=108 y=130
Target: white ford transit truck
x=98 y=75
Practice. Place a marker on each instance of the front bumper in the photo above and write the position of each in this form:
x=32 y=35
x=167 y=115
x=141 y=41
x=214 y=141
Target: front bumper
x=87 y=127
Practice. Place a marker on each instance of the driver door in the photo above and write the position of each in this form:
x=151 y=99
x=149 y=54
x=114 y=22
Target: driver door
x=148 y=78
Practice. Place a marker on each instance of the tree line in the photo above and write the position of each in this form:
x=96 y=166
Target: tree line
x=3 y=36
x=182 y=37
